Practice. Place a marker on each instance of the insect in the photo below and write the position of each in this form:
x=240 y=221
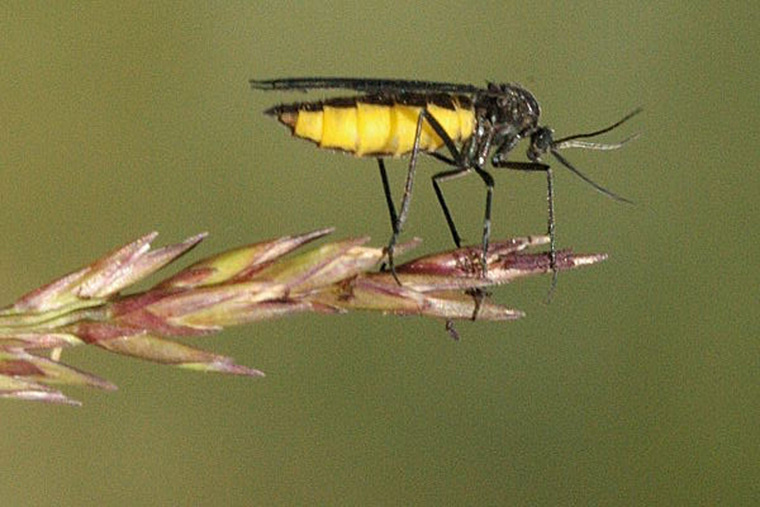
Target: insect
x=469 y=124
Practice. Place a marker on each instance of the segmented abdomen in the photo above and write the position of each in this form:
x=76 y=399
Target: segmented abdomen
x=378 y=125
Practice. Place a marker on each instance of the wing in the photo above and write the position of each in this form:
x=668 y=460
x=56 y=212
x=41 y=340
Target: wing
x=361 y=84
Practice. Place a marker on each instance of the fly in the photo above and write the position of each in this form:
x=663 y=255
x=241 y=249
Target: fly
x=470 y=124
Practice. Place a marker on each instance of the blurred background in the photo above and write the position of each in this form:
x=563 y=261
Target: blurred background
x=638 y=384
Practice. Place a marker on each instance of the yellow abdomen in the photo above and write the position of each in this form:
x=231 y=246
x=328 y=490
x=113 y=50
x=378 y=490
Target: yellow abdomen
x=373 y=128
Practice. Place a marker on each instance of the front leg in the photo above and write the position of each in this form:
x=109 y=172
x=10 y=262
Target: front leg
x=540 y=166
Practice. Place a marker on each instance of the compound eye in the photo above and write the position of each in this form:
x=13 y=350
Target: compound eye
x=542 y=140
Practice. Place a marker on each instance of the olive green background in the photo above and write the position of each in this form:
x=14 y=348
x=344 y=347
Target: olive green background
x=638 y=384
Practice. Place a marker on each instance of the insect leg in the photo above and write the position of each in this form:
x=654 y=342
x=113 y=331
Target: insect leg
x=400 y=219
x=391 y=208
x=477 y=150
x=463 y=166
x=406 y=199
x=538 y=166
x=443 y=158
x=488 y=180
x=437 y=179
x=388 y=196
x=455 y=160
